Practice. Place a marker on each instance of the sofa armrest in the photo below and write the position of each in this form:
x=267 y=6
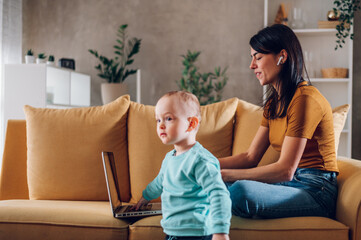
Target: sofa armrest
x=13 y=178
x=349 y=195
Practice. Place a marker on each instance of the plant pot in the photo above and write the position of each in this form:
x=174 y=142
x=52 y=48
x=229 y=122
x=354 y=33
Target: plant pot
x=50 y=63
x=111 y=91
x=40 y=60
x=29 y=59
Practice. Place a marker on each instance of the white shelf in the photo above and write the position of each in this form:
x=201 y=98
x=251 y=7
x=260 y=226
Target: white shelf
x=320 y=44
x=330 y=80
x=314 y=31
x=39 y=85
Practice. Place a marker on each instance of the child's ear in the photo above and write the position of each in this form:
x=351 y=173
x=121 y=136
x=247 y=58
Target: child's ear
x=193 y=123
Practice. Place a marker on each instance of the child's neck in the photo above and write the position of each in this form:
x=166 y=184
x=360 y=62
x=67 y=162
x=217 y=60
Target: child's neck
x=184 y=146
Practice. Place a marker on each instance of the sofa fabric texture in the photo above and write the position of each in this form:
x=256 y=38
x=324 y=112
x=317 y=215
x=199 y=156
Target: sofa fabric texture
x=48 y=150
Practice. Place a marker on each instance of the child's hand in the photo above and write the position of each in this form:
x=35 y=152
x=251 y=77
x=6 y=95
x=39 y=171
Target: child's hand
x=220 y=236
x=140 y=204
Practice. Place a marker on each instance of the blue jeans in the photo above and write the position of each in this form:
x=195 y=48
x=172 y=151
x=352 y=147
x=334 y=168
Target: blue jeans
x=311 y=192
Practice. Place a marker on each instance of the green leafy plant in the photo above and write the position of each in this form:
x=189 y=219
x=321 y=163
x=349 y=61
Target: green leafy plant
x=41 y=55
x=30 y=53
x=346 y=9
x=207 y=87
x=51 y=58
x=114 y=70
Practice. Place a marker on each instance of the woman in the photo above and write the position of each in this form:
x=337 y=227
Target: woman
x=297 y=121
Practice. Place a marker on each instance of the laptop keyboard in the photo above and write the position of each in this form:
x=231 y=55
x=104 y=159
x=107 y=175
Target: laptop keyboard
x=143 y=208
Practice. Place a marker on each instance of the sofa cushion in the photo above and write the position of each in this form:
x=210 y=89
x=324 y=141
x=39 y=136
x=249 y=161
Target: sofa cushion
x=64 y=151
x=248 y=120
x=146 y=151
x=298 y=228
x=43 y=219
x=339 y=119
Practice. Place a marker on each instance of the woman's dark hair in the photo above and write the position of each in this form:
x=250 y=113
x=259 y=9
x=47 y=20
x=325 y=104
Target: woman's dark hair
x=272 y=40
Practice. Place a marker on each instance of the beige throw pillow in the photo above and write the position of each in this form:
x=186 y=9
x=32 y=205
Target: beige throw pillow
x=64 y=150
x=339 y=119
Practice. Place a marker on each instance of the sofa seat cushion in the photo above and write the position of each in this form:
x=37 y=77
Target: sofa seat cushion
x=59 y=220
x=242 y=228
x=296 y=228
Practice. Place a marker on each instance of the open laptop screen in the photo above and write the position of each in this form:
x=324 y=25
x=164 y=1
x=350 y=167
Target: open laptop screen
x=112 y=180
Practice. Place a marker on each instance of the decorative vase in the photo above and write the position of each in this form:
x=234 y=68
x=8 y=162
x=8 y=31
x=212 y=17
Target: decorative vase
x=111 y=91
x=40 y=60
x=29 y=59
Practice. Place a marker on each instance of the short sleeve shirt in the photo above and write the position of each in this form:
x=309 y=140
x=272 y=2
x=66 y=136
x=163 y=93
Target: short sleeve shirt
x=309 y=115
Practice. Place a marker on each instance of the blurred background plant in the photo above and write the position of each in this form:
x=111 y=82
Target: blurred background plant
x=207 y=87
x=114 y=70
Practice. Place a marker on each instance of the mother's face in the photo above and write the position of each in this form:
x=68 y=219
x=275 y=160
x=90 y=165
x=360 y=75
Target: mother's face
x=265 y=67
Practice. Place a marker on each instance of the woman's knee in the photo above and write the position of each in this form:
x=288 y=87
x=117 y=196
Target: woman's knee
x=241 y=195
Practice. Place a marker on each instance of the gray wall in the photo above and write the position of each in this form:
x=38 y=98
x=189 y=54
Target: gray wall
x=220 y=29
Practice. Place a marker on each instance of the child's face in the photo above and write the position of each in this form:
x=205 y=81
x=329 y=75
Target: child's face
x=172 y=120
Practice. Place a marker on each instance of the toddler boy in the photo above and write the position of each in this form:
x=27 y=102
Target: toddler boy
x=195 y=200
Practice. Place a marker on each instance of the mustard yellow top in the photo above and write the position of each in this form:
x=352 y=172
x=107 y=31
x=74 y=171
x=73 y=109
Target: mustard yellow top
x=309 y=115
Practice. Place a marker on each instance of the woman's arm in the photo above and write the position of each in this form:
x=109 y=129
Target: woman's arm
x=252 y=156
x=282 y=170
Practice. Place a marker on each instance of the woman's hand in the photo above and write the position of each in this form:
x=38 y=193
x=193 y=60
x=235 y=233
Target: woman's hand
x=220 y=236
x=140 y=204
x=228 y=175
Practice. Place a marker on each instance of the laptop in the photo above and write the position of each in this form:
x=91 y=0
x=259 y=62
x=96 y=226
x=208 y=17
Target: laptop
x=119 y=210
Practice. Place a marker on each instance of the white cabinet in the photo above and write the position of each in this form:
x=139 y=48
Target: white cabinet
x=40 y=85
x=318 y=46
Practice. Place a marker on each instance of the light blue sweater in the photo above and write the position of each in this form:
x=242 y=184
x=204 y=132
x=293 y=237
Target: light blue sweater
x=195 y=201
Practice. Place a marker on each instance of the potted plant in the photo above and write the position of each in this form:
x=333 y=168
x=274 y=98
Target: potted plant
x=207 y=87
x=41 y=58
x=346 y=10
x=29 y=57
x=115 y=70
x=50 y=60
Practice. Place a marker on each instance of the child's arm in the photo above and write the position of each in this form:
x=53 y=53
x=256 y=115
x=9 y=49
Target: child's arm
x=140 y=203
x=152 y=191
x=208 y=176
x=220 y=236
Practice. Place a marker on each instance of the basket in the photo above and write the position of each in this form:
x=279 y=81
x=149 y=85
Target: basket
x=334 y=72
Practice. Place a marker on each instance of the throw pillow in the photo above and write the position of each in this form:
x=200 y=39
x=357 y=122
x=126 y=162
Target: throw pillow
x=146 y=151
x=64 y=151
x=339 y=119
x=248 y=120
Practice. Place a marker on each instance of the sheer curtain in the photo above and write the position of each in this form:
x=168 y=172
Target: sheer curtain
x=10 y=48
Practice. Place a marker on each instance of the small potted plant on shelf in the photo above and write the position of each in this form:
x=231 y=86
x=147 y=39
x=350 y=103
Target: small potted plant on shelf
x=115 y=70
x=41 y=58
x=29 y=57
x=207 y=87
x=50 y=60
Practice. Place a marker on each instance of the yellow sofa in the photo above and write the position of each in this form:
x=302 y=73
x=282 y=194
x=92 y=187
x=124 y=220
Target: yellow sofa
x=52 y=184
